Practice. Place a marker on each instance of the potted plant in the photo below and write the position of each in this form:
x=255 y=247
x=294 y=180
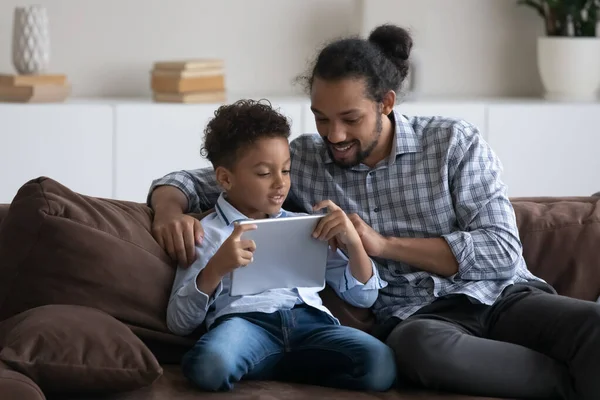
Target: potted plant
x=568 y=55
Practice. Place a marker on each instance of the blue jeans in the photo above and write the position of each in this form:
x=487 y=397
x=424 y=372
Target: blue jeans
x=302 y=345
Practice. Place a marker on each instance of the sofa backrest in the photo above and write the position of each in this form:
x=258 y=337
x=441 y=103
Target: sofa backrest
x=109 y=239
x=561 y=242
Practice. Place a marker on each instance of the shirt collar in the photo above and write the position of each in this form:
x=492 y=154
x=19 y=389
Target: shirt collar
x=229 y=214
x=405 y=139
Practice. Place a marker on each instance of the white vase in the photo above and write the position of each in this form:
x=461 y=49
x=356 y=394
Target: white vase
x=569 y=67
x=31 y=40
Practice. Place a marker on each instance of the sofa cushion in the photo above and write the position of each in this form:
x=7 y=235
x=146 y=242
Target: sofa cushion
x=59 y=247
x=3 y=211
x=561 y=242
x=15 y=385
x=77 y=349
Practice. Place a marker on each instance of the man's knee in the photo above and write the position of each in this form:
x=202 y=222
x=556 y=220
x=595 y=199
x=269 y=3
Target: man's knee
x=423 y=347
x=412 y=337
x=210 y=371
x=591 y=320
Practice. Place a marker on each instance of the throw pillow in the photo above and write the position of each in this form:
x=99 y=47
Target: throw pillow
x=61 y=247
x=75 y=349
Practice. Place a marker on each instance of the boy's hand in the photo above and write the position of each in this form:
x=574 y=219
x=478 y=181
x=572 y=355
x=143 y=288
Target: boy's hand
x=233 y=253
x=336 y=227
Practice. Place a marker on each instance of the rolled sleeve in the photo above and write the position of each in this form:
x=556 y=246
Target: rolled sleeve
x=347 y=287
x=461 y=245
x=350 y=282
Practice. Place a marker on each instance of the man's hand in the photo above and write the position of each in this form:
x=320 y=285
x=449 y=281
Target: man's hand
x=373 y=242
x=336 y=227
x=178 y=234
x=233 y=253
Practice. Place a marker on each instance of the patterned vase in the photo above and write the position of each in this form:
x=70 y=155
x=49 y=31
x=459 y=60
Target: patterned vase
x=31 y=40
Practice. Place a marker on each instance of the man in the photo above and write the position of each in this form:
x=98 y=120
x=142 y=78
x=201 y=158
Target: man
x=461 y=310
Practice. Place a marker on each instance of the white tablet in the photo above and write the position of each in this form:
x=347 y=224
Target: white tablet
x=286 y=256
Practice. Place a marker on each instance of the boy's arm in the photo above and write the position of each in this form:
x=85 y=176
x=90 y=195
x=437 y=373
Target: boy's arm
x=342 y=280
x=188 y=304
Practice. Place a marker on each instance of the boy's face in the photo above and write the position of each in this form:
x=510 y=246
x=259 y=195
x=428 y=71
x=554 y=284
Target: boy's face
x=260 y=180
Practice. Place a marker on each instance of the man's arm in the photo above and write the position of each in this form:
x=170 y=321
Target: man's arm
x=198 y=191
x=486 y=243
x=431 y=255
x=167 y=199
x=173 y=196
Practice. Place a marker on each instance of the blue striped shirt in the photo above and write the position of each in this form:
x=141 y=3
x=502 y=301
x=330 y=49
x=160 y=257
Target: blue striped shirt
x=189 y=307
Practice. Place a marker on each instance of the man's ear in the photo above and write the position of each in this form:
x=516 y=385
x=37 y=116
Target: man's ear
x=389 y=101
x=224 y=177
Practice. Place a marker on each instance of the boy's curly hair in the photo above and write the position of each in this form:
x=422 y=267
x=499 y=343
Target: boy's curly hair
x=238 y=125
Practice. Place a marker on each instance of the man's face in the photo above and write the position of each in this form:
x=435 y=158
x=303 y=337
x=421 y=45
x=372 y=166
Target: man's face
x=348 y=121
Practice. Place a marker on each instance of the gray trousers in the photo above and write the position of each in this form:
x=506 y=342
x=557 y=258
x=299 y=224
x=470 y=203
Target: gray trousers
x=531 y=344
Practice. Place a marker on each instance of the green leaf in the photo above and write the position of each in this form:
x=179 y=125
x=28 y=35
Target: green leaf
x=533 y=4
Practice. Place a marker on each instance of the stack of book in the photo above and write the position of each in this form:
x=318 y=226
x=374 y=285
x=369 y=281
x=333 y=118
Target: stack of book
x=34 y=88
x=189 y=81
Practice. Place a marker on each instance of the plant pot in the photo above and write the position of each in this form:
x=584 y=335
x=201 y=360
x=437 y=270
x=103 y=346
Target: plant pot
x=31 y=40
x=569 y=67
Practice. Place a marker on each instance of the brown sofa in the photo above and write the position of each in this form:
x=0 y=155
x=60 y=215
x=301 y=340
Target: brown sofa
x=84 y=289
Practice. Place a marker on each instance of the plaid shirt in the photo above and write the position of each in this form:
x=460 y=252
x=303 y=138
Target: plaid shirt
x=441 y=180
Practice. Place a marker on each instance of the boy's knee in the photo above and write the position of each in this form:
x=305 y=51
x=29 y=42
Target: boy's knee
x=210 y=371
x=378 y=366
x=384 y=370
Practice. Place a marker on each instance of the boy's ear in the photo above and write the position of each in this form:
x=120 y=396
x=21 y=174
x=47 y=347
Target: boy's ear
x=224 y=177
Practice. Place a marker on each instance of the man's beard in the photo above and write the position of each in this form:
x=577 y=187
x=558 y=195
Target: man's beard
x=361 y=154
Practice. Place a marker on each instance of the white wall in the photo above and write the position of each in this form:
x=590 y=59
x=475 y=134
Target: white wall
x=107 y=47
x=466 y=47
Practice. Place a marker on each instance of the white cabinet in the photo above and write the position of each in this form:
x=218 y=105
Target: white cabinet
x=155 y=139
x=547 y=149
x=71 y=143
x=116 y=148
x=471 y=112
x=293 y=110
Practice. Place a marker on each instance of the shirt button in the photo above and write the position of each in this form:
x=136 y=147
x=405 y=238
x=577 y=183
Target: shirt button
x=376 y=209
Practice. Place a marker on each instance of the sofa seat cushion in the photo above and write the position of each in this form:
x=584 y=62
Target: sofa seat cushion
x=75 y=349
x=561 y=242
x=172 y=385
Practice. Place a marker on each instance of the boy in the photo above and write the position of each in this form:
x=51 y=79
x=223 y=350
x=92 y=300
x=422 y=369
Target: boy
x=280 y=334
